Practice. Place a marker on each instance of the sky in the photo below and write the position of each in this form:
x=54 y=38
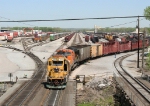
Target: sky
x=67 y=9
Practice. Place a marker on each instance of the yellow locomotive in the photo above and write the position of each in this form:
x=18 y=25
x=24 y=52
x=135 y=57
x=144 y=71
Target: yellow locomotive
x=59 y=67
x=60 y=64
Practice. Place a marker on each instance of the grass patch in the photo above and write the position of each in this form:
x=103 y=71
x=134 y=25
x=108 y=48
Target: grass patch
x=86 y=104
x=98 y=98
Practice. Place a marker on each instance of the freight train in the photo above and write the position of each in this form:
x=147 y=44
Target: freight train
x=67 y=38
x=56 y=36
x=8 y=35
x=60 y=64
x=39 y=37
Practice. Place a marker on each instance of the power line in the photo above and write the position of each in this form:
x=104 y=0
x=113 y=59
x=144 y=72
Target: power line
x=13 y=20
x=126 y=23
x=76 y=19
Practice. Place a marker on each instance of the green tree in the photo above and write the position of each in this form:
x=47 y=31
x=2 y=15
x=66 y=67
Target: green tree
x=147 y=12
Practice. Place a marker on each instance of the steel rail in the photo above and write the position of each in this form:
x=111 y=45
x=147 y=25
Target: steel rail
x=119 y=61
x=28 y=87
x=52 y=98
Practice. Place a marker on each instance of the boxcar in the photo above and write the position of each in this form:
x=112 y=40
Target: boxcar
x=52 y=37
x=43 y=37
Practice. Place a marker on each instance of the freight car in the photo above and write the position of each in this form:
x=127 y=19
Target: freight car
x=60 y=64
x=40 y=37
x=56 y=36
x=6 y=36
x=9 y=38
x=44 y=36
x=67 y=38
x=94 y=38
x=53 y=37
x=3 y=36
x=87 y=38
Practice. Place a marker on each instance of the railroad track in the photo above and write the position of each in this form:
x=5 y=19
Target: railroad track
x=53 y=97
x=22 y=94
x=25 y=93
x=137 y=91
x=27 y=42
x=66 y=97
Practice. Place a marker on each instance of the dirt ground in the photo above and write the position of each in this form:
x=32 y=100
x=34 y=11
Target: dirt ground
x=96 y=92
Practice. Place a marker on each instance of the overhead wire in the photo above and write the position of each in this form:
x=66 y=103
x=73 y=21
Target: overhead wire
x=127 y=23
x=75 y=19
x=21 y=21
x=18 y=22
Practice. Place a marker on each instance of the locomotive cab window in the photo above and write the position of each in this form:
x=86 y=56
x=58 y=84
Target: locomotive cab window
x=65 y=66
x=57 y=63
x=49 y=63
x=68 y=53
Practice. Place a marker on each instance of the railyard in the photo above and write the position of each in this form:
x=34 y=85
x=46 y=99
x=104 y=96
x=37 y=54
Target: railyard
x=98 y=73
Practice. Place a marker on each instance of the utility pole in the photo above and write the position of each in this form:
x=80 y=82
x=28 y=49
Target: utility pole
x=138 y=45
x=143 y=46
